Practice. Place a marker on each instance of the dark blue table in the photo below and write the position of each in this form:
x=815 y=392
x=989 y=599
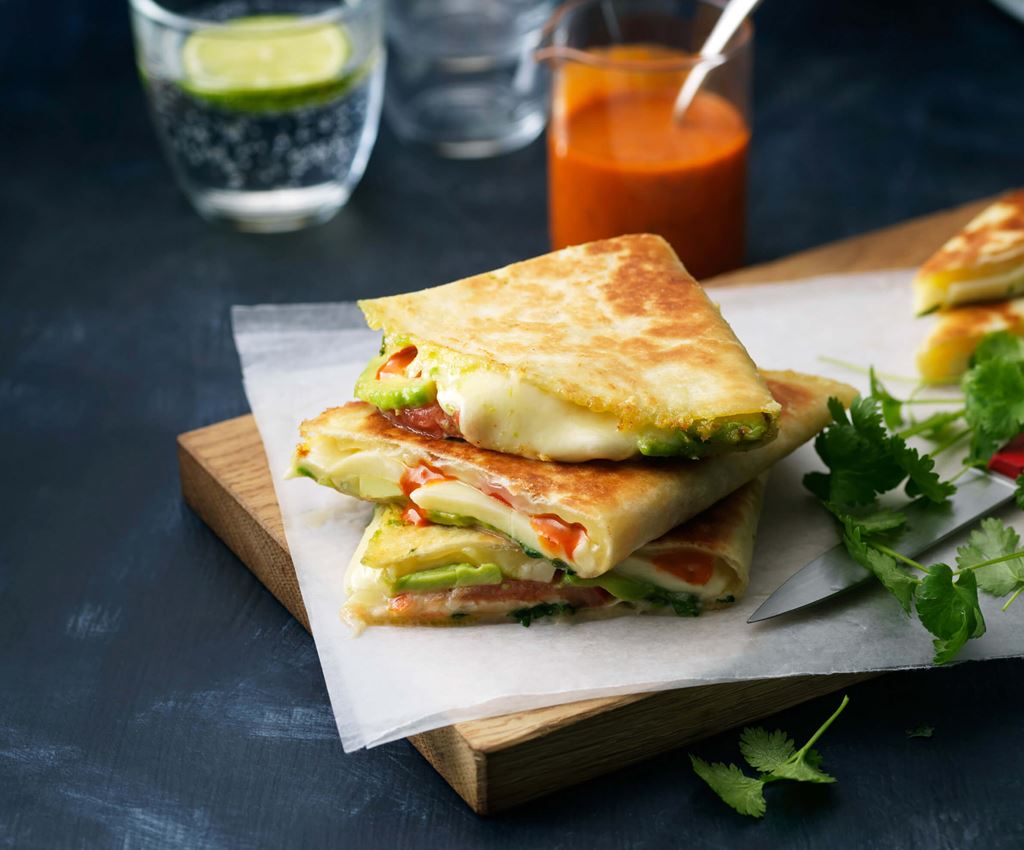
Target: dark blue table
x=153 y=694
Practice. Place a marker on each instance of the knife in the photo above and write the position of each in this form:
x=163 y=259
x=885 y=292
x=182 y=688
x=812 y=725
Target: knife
x=927 y=525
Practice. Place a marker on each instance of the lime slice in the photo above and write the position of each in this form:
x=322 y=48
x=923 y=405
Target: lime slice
x=266 y=62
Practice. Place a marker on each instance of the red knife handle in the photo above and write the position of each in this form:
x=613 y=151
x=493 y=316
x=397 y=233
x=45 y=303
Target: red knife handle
x=1009 y=460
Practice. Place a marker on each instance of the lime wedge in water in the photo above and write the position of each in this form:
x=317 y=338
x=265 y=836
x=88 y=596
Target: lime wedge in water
x=266 y=62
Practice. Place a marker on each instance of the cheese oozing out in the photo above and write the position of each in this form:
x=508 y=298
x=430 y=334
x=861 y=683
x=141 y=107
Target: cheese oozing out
x=500 y=410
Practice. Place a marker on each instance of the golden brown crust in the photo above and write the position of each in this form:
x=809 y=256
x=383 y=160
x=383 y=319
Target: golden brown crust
x=946 y=351
x=995 y=237
x=617 y=325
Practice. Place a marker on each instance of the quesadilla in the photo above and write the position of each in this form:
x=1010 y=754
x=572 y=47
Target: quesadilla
x=983 y=262
x=404 y=573
x=947 y=351
x=585 y=517
x=601 y=351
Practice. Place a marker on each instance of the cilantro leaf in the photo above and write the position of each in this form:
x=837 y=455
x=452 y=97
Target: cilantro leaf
x=1019 y=496
x=923 y=480
x=1001 y=345
x=993 y=540
x=947 y=606
x=882 y=566
x=763 y=750
x=805 y=764
x=892 y=408
x=805 y=769
x=922 y=731
x=856 y=451
x=871 y=522
x=743 y=793
x=993 y=405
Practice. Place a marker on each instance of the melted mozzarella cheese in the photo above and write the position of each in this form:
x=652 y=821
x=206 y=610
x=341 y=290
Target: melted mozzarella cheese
x=986 y=288
x=457 y=497
x=499 y=410
x=643 y=570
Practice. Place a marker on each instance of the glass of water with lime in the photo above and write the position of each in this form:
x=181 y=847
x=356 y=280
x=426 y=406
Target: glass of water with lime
x=267 y=109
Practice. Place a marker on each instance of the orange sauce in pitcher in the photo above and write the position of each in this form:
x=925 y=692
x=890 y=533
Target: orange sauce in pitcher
x=619 y=164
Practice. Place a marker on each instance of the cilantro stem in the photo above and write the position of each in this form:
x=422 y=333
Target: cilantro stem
x=987 y=563
x=1016 y=593
x=956 y=477
x=952 y=441
x=824 y=726
x=892 y=553
x=853 y=367
x=931 y=400
x=923 y=425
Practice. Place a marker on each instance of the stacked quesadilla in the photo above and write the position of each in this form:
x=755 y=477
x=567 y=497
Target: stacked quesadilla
x=599 y=456
x=608 y=350
x=983 y=263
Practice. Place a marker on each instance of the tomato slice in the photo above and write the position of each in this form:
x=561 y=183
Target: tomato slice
x=560 y=537
x=430 y=420
x=398 y=362
x=692 y=567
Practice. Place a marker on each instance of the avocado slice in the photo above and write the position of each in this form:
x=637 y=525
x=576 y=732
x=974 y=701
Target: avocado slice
x=393 y=392
x=694 y=442
x=626 y=589
x=633 y=590
x=453 y=575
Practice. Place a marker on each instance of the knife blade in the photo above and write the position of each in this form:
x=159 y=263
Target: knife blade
x=927 y=525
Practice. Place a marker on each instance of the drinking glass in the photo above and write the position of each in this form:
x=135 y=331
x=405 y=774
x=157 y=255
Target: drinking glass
x=463 y=77
x=267 y=109
x=619 y=160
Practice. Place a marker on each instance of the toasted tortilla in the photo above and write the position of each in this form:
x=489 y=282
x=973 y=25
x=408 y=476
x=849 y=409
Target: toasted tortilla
x=983 y=262
x=614 y=326
x=946 y=352
x=620 y=506
x=719 y=543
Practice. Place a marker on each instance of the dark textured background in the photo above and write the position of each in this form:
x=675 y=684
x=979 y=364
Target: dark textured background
x=152 y=693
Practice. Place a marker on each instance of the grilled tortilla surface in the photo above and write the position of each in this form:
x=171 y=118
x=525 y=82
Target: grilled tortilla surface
x=702 y=564
x=616 y=327
x=590 y=516
x=983 y=262
x=946 y=352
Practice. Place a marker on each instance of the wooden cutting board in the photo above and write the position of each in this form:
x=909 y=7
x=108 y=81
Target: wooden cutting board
x=503 y=761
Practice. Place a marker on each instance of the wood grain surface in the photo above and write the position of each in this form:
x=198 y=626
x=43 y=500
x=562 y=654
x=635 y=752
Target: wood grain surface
x=502 y=761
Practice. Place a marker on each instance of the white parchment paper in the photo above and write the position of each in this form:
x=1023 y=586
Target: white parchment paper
x=391 y=682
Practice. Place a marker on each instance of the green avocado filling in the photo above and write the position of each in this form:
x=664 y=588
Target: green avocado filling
x=633 y=590
x=393 y=392
x=443 y=578
x=695 y=443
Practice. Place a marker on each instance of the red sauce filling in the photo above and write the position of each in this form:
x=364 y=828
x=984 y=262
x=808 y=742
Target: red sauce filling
x=415 y=477
x=692 y=567
x=560 y=537
x=398 y=362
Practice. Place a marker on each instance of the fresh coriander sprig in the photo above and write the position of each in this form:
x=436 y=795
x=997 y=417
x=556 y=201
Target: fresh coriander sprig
x=774 y=756
x=865 y=460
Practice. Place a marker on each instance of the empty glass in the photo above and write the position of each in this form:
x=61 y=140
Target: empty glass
x=266 y=109
x=463 y=78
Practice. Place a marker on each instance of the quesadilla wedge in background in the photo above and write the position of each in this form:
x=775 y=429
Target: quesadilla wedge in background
x=404 y=573
x=601 y=351
x=983 y=262
x=947 y=351
x=587 y=516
